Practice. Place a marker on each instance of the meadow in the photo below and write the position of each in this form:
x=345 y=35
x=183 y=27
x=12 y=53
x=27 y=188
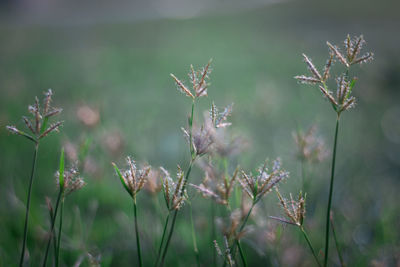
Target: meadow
x=118 y=99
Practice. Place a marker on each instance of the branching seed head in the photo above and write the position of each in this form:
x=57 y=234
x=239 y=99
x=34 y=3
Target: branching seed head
x=199 y=80
x=310 y=147
x=38 y=127
x=294 y=210
x=256 y=186
x=174 y=193
x=133 y=179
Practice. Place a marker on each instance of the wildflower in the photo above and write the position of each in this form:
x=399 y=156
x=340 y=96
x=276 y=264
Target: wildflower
x=257 y=186
x=199 y=81
x=38 y=127
x=202 y=137
x=132 y=179
x=310 y=147
x=174 y=192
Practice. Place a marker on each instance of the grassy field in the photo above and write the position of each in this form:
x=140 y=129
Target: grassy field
x=122 y=70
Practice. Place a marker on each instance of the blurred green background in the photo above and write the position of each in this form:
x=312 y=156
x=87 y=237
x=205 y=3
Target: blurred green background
x=113 y=60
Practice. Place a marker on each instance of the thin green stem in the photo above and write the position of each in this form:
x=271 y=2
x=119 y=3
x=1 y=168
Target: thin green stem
x=242 y=256
x=310 y=245
x=195 y=248
x=59 y=232
x=213 y=232
x=137 y=233
x=162 y=240
x=52 y=227
x=337 y=244
x=328 y=212
x=28 y=203
x=171 y=231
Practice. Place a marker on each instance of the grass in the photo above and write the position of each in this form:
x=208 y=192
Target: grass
x=149 y=86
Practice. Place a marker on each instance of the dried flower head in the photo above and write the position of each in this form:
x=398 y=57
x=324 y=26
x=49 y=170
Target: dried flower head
x=219 y=187
x=199 y=81
x=72 y=181
x=202 y=137
x=343 y=100
x=174 y=191
x=39 y=125
x=256 y=186
x=132 y=179
x=310 y=147
x=226 y=254
x=218 y=118
x=294 y=210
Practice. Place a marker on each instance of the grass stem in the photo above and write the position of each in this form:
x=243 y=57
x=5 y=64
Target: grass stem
x=137 y=233
x=328 y=212
x=310 y=245
x=59 y=233
x=162 y=239
x=52 y=227
x=28 y=203
x=337 y=244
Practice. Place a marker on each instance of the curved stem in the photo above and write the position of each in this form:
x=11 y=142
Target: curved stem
x=310 y=245
x=52 y=228
x=28 y=203
x=242 y=256
x=137 y=234
x=328 y=212
x=59 y=233
x=337 y=244
x=195 y=248
x=162 y=239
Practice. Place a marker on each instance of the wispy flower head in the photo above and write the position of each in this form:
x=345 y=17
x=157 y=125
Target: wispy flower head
x=295 y=210
x=153 y=185
x=133 y=179
x=202 y=137
x=38 y=125
x=310 y=147
x=174 y=193
x=256 y=186
x=72 y=180
x=217 y=187
x=199 y=81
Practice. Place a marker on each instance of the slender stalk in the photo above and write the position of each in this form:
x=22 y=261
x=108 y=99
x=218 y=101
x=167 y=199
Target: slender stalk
x=310 y=245
x=337 y=244
x=137 y=234
x=242 y=256
x=59 y=232
x=52 y=228
x=162 y=239
x=213 y=232
x=28 y=204
x=171 y=231
x=195 y=248
x=328 y=212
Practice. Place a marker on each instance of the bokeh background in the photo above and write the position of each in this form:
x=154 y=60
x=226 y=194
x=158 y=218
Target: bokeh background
x=108 y=63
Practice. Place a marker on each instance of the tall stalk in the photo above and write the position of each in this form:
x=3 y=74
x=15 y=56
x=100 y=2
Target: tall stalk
x=137 y=234
x=193 y=158
x=195 y=248
x=310 y=245
x=59 y=233
x=328 y=212
x=162 y=240
x=52 y=228
x=28 y=203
